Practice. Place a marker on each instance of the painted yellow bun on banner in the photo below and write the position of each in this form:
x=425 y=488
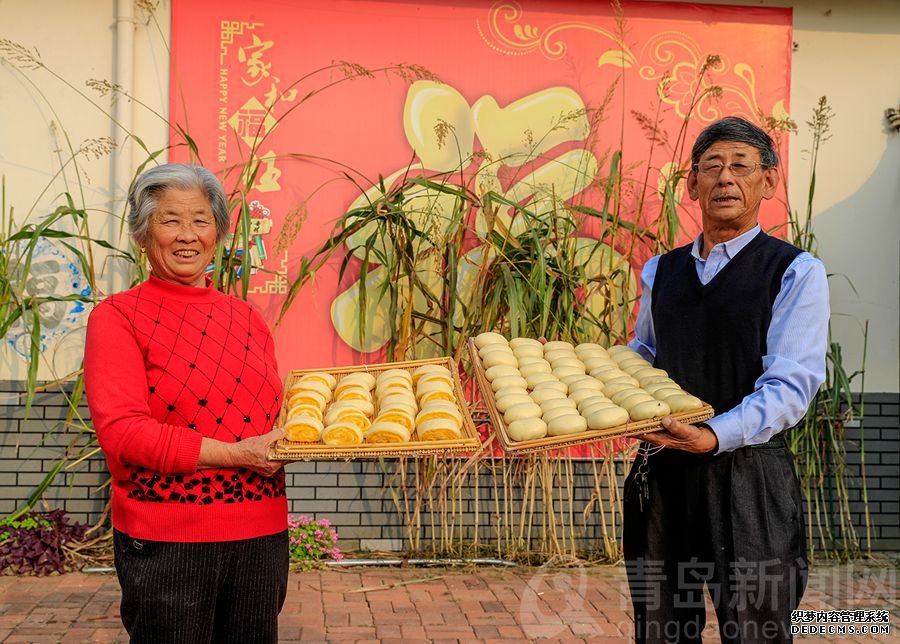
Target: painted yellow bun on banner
x=387 y=432
x=341 y=433
x=303 y=429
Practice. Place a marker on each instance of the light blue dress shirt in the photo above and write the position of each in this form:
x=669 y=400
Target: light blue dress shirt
x=793 y=368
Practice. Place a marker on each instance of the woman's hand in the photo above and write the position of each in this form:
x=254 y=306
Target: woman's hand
x=250 y=453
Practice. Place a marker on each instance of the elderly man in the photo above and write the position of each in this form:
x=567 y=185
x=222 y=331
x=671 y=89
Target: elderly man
x=739 y=319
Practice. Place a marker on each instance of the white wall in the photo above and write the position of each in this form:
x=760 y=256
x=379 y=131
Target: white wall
x=846 y=50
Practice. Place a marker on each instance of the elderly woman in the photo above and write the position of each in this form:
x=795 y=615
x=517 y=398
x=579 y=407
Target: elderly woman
x=183 y=390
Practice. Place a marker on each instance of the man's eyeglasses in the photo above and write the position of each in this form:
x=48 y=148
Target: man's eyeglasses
x=738 y=168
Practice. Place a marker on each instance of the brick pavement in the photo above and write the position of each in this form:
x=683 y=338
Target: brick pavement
x=429 y=604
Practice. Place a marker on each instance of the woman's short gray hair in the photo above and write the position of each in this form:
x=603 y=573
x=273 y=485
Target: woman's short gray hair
x=151 y=183
x=734 y=128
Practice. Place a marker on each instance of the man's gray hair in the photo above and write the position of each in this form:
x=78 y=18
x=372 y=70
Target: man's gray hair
x=152 y=183
x=734 y=128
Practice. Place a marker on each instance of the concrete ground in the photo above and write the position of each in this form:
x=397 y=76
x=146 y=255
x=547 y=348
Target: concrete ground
x=368 y=604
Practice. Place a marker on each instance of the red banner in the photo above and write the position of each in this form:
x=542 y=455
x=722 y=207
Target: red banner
x=573 y=81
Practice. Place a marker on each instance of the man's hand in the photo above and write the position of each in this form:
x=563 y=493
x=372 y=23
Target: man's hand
x=251 y=453
x=688 y=438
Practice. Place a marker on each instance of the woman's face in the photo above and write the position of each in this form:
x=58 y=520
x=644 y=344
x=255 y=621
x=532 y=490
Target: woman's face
x=182 y=237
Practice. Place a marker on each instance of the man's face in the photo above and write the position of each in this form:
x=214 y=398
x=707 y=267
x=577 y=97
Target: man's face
x=728 y=201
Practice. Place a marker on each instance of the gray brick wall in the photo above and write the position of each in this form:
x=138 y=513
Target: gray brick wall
x=356 y=495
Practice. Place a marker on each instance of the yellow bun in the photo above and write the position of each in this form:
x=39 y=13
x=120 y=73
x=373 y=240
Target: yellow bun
x=305 y=410
x=591 y=406
x=311 y=385
x=599 y=363
x=303 y=429
x=593 y=401
x=534 y=368
x=649 y=409
x=612 y=388
x=610 y=374
x=621 y=350
x=497 y=357
x=354 y=393
x=562 y=372
x=633 y=363
x=664 y=392
x=390 y=374
x=683 y=402
x=526 y=353
x=501 y=370
x=558 y=344
x=347 y=415
x=556 y=403
x=525 y=342
x=429 y=378
x=399 y=401
x=341 y=433
x=622 y=394
x=358 y=378
x=438 y=429
x=391 y=387
x=513 y=399
x=319 y=376
x=591 y=384
x=533 y=380
x=425 y=369
x=307 y=397
x=646 y=372
x=540 y=396
x=652 y=383
x=569 y=363
x=508 y=381
x=522 y=410
x=571 y=378
x=590 y=348
x=598 y=372
x=526 y=429
x=439 y=409
x=365 y=406
x=555 y=385
x=489 y=338
x=606 y=418
x=580 y=395
x=400 y=416
x=626 y=378
x=437 y=394
x=559 y=354
x=387 y=432
x=634 y=400
x=565 y=425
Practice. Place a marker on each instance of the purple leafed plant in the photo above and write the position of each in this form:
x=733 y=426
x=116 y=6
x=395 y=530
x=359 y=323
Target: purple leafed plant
x=33 y=543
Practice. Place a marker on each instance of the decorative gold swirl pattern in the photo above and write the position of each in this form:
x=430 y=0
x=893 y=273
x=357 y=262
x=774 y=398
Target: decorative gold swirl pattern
x=677 y=65
x=527 y=38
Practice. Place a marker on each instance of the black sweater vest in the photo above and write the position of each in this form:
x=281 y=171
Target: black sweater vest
x=711 y=339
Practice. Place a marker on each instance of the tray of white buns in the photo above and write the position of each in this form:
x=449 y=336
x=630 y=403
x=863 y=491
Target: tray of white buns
x=415 y=407
x=552 y=395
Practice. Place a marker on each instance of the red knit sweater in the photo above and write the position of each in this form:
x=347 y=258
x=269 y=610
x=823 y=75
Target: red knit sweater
x=164 y=366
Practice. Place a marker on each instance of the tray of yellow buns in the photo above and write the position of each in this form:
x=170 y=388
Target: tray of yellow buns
x=553 y=395
x=410 y=408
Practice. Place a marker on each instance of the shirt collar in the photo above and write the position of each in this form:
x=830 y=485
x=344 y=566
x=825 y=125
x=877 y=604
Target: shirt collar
x=732 y=247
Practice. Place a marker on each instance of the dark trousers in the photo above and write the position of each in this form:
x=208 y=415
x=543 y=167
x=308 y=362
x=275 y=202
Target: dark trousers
x=230 y=591
x=729 y=523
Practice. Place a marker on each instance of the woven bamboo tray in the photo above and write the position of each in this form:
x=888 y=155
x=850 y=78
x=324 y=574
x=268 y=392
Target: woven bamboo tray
x=467 y=443
x=631 y=428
